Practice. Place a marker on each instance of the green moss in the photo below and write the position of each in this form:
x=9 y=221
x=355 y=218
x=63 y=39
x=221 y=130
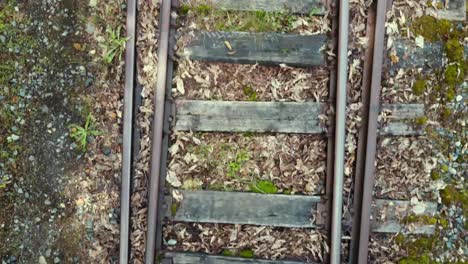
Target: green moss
x=451 y=195
x=424 y=259
x=444 y=222
x=430 y=28
x=184 y=9
x=228 y=253
x=419 y=87
x=248 y=134
x=421 y=121
x=454 y=50
x=445 y=113
x=454 y=75
x=421 y=219
x=421 y=246
x=435 y=175
x=250 y=93
x=400 y=239
x=252 y=21
x=266 y=187
x=450 y=94
x=203 y=9
x=246 y=253
x=174 y=208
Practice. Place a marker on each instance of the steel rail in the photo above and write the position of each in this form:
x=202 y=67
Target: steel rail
x=362 y=137
x=340 y=131
x=326 y=215
x=127 y=133
x=169 y=116
x=371 y=143
x=157 y=137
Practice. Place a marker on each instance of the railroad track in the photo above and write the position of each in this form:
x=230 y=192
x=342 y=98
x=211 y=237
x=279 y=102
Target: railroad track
x=278 y=210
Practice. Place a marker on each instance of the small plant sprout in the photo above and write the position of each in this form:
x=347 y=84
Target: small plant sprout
x=263 y=186
x=81 y=134
x=114 y=45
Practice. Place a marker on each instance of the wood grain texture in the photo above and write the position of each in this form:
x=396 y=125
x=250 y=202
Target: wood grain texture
x=196 y=258
x=262 y=48
x=411 y=56
x=245 y=208
x=230 y=116
x=290 y=6
x=401 y=120
x=388 y=216
x=456 y=11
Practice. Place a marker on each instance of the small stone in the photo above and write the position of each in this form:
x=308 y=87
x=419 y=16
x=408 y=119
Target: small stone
x=106 y=151
x=48 y=253
x=37 y=219
x=88 y=82
x=56 y=260
x=171 y=242
x=62 y=205
x=47 y=202
x=42 y=260
x=20 y=191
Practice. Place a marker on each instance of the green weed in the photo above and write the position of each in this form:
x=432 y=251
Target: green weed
x=235 y=165
x=263 y=186
x=114 y=45
x=246 y=253
x=250 y=93
x=80 y=134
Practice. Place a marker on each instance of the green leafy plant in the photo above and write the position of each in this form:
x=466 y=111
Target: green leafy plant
x=228 y=253
x=246 y=253
x=235 y=165
x=114 y=45
x=263 y=186
x=80 y=134
x=250 y=93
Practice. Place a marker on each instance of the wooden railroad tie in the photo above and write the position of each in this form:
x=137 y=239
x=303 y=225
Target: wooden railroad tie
x=291 y=6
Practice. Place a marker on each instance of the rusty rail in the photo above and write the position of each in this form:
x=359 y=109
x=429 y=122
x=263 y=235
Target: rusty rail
x=371 y=140
x=362 y=137
x=127 y=132
x=157 y=139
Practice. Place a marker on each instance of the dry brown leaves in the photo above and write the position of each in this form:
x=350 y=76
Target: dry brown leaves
x=384 y=250
x=266 y=242
x=234 y=82
x=293 y=162
x=398 y=88
x=147 y=72
x=403 y=168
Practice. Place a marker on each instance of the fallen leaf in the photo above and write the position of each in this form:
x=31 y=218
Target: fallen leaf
x=419 y=41
x=77 y=46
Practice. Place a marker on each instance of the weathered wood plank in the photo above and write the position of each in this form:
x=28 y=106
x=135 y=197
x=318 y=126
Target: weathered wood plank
x=400 y=129
x=456 y=10
x=230 y=116
x=290 y=6
x=262 y=48
x=197 y=258
x=245 y=208
x=389 y=214
x=404 y=111
x=400 y=120
x=411 y=56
